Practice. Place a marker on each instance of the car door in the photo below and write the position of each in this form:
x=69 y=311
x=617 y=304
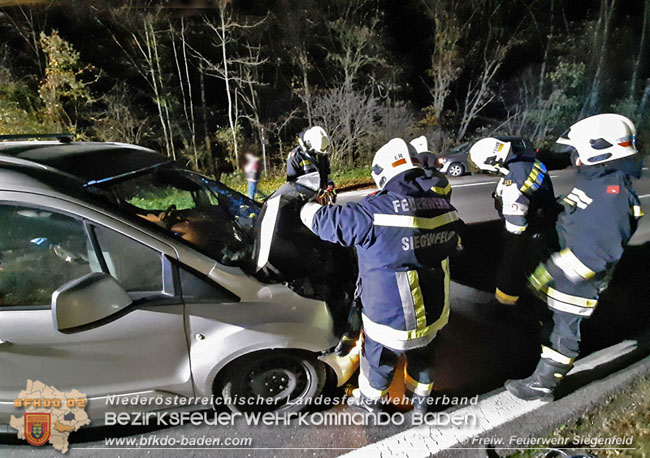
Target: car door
x=41 y=248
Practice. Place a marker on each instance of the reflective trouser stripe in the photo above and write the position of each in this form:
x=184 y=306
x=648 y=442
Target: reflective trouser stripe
x=366 y=389
x=413 y=386
x=442 y=191
x=504 y=298
x=553 y=355
x=572 y=267
x=422 y=335
x=415 y=222
x=570 y=304
x=637 y=212
x=408 y=284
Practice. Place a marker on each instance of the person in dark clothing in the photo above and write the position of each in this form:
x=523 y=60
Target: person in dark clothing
x=425 y=154
x=599 y=217
x=525 y=200
x=404 y=234
x=304 y=158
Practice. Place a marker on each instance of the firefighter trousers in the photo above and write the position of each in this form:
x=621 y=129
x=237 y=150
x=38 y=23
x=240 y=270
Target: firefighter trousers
x=378 y=367
x=562 y=335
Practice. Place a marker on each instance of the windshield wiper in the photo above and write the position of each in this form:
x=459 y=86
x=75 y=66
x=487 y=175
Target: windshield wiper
x=123 y=176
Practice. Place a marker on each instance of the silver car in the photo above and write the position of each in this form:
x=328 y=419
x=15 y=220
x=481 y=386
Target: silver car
x=124 y=274
x=455 y=162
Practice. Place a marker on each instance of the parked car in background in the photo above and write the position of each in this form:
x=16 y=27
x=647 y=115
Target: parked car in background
x=456 y=163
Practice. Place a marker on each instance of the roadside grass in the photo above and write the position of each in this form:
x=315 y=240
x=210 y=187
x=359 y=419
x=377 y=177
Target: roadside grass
x=343 y=178
x=624 y=414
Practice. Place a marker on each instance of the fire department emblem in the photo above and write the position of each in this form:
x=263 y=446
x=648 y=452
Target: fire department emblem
x=37 y=428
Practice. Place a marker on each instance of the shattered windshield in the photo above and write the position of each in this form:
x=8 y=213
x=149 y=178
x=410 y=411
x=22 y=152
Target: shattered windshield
x=201 y=212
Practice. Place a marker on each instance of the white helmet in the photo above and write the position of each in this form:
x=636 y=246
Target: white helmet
x=489 y=154
x=390 y=160
x=316 y=139
x=601 y=138
x=421 y=144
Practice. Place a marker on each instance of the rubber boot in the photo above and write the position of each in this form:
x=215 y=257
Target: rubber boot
x=364 y=404
x=420 y=405
x=541 y=384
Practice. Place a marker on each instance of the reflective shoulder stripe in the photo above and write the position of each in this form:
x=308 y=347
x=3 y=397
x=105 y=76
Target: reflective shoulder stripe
x=415 y=222
x=533 y=181
x=566 y=303
x=636 y=211
x=569 y=201
x=513 y=228
x=584 y=197
x=549 y=353
x=305 y=163
x=579 y=198
x=572 y=267
x=443 y=191
x=415 y=387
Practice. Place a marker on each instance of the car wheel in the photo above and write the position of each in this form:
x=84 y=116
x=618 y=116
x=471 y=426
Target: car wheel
x=456 y=170
x=279 y=381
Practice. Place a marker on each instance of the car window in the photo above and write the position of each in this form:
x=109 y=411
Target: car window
x=135 y=266
x=206 y=215
x=40 y=250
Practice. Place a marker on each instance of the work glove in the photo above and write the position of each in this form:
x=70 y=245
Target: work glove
x=326 y=196
x=345 y=345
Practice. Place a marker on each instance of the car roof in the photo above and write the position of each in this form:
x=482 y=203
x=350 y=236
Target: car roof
x=86 y=162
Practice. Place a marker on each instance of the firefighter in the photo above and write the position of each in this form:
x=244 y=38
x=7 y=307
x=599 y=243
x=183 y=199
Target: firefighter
x=425 y=155
x=599 y=216
x=525 y=201
x=404 y=234
x=306 y=157
x=310 y=157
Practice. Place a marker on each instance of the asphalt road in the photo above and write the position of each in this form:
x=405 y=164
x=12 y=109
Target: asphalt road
x=474 y=354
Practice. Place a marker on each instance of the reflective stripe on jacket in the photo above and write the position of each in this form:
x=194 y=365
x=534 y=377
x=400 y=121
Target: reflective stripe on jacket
x=404 y=236
x=599 y=217
x=523 y=192
x=299 y=163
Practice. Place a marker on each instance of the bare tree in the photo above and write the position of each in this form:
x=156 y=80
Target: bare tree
x=355 y=33
x=298 y=34
x=446 y=58
x=634 y=83
x=495 y=43
x=479 y=91
x=334 y=108
x=601 y=47
x=181 y=60
x=227 y=31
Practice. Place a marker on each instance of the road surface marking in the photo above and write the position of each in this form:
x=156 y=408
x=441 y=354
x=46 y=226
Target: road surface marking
x=493 y=410
x=644 y=195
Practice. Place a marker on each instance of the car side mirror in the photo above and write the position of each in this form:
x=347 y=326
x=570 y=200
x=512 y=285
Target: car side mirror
x=88 y=302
